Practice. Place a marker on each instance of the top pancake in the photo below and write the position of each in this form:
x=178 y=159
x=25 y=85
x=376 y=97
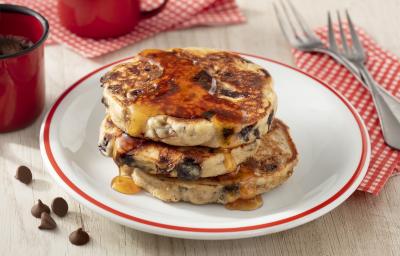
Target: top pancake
x=190 y=96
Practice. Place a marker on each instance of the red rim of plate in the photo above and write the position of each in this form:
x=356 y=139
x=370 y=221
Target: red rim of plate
x=349 y=183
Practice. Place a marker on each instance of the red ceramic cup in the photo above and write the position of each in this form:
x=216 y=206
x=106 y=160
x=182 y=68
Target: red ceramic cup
x=22 y=86
x=102 y=18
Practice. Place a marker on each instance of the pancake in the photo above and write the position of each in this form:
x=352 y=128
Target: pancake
x=272 y=165
x=190 y=97
x=187 y=163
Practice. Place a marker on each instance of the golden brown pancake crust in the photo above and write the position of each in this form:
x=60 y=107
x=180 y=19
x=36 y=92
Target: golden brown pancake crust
x=270 y=166
x=187 y=163
x=181 y=84
x=270 y=157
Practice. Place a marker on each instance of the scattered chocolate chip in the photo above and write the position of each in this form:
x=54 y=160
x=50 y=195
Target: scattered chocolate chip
x=79 y=237
x=188 y=169
x=256 y=133
x=230 y=93
x=208 y=114
x=103 y=145
x=133 y=94
x=227 y=74
x=39 y=208
x=172 y=89
x=234 y=188
x=204 y=79
x=270 y=118
x=226 y=132
x=104 y=101
x=59 y=206
x=47 y=222
x=269 y=167
x=245 y=132
x=265 y=72
x=125 y=159
x=24 y=174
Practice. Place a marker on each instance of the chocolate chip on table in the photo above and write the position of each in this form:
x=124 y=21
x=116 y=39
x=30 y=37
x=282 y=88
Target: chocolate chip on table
x=47 y=222
x=39 y=208
x=79 y=237
x=59 y=206
x=24 y=174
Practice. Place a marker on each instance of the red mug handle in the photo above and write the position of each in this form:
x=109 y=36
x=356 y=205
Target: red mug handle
x=151 y=13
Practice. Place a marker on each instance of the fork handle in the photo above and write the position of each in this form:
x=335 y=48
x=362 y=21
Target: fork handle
x=387 y=106
x=388 y=109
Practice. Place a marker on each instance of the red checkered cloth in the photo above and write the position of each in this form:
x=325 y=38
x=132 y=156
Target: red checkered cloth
x=176 y=15
x=385 y=68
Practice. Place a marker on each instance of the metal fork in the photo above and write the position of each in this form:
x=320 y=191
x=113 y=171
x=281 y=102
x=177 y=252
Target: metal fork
x=306 y=40
x=300 y=36
x=388 y=107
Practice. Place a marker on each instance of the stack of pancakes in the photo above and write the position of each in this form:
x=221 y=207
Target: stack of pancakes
x=196 y=125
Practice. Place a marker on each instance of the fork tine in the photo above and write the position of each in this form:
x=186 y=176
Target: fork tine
x=331 y=34
x=342 y=36
x=281 y=24
x=301 y=21
x=354 y=37
x=286 y=12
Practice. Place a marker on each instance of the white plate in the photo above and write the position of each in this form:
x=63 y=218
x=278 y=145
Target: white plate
x=331 y=138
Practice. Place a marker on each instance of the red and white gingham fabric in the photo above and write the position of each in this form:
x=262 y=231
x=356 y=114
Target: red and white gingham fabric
x=177 y=14
x=385 y=68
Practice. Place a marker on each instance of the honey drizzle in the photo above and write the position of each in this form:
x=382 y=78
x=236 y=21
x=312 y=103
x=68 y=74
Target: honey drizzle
x=139 y=118
x=245 y=204
x=177 y=93
x=229 y=162
x=124 y=183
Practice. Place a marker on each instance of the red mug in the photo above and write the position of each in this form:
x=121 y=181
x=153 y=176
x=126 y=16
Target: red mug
x=22 y=85
x=103 y=18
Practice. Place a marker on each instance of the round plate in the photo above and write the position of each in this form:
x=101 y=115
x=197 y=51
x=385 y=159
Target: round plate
x=331 y=138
